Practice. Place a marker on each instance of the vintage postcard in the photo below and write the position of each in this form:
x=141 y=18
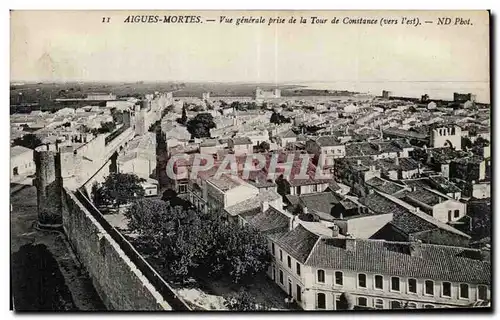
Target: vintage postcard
x=250 y=160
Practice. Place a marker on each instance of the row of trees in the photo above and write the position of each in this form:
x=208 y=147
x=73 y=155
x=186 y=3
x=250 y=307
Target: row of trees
x=277 y=118
x=187 y=243
x=29 y=140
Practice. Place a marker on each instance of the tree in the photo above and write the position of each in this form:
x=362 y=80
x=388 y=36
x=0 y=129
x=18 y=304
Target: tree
x=107 y=127
x=481 y=142
x=184 y=115
x=243 y=301
x=187 y=243
x=200 y=126
x=265 y=146
x=120 y=188
x=29 y=140
x=466 y=143
x=275 y=118
x=346 y=301
x=171 y=197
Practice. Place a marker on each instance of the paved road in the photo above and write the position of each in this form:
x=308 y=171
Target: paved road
x=45 y=274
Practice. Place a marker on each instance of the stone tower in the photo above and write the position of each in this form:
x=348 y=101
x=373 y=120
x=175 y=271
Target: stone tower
x=48 y=184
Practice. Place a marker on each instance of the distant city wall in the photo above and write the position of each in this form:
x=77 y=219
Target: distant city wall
x=123 y=279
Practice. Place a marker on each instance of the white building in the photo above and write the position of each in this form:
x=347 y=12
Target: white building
x=450 y=136
x=317 y=270
x=21 y=162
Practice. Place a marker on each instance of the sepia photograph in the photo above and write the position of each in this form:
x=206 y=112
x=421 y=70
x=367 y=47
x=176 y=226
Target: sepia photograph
x=250 y=161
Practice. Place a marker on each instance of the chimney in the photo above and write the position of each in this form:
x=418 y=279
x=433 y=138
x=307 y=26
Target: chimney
x=264 y=206
x=416 y=248
x=417 y=210
x=396 y=161
x=335 y=230
x=292 y=223
x=350 y=243
x=486 y=253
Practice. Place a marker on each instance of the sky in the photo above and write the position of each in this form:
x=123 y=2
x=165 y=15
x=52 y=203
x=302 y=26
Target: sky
x=77 y=46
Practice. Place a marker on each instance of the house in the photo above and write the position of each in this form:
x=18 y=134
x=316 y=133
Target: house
x=150 y=187
x=410 y=222
x=383 y=185
x=226 y=191
x=285 y=138
x=210 y=146
x=175 y=134
x=446 y=136
x=256 y=136
x=400 y=168
x=296 y=184
x=355 y=173
x=21 y=162
x=243 y=210
x=139 y=157
x=241 y=145
x=329 y=147
x=319 y=204
x=435 y=203
x=317 y=270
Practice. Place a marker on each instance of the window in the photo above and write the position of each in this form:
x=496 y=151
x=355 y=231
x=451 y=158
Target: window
x=428 y=306
x=289 y=262
x=395 y=305
x=321 y=301
x=411 y=305
x=482 y=292
x=379 y=282
x=281 y=277
x=394 y=283
x=321 y=276
x=412 y=286
x=274 y=274
x=456 y=214
x=298 y=269
x=272 y=249
x=446 y=289
x=281 y=255
x=378 y=303
x=339 y=278
x=299 y=293
x=362 y=280
x=429 y=287
x=449 y=215
x=464 y=291
x=362 y=301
